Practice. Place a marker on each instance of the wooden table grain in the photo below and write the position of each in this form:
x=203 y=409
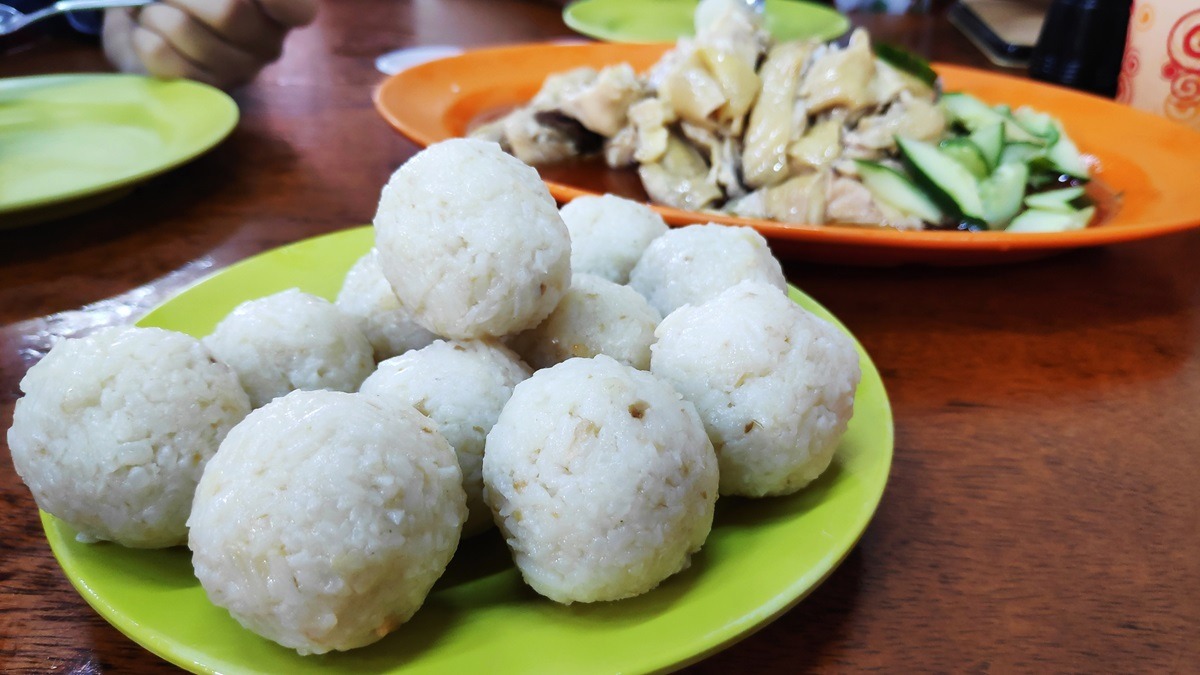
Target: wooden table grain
x=1043 y=506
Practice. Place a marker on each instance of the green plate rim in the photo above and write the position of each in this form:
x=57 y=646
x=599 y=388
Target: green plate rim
x=570 y=16
x=670 y=656
x=223 y=122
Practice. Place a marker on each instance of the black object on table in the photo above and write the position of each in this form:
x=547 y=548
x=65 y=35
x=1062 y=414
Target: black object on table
x=1081 y=44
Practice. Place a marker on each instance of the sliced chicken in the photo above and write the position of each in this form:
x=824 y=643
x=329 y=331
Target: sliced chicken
x=602 y=105
x=680 y=178
x=909 y=117
x=773 y=121
x=800 y=199
x=650 y=118
x=723 y=154
x=841 y=78
x=541 y=137
x=820 y=146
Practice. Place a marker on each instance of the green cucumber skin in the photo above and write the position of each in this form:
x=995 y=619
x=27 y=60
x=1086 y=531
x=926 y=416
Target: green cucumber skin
x=965 y=152
x=959 y=198
x=1003 y=193
x=1055 y=200
x=1039 y=220
x=894 y=188
x=990 y=141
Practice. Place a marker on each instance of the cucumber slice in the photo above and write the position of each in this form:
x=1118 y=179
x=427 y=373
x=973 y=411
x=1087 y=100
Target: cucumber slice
x=1021 y=153
x=895 y=189
x=1054 y=200
x=965 y=152
x=948 y=182
x=1065 y=158
x=1040 y=220
x=1002 y=192
x=989 y=138
x=974 y=114
x=904 y=60
x=1038 y=123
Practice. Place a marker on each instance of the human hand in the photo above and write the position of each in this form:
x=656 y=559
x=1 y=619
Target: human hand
x=220 y=42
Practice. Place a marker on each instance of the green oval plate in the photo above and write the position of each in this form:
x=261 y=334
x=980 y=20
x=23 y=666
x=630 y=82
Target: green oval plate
x=762 y=557
x=69 y=141
x=669 y=20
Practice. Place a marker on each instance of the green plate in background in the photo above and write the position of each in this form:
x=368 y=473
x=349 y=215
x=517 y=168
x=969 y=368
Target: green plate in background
x=762 y=557
x=669 y=20
x=71 y=142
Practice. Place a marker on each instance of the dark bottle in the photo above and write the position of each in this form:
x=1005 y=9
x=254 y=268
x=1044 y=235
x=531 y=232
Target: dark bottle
x=1081 y=44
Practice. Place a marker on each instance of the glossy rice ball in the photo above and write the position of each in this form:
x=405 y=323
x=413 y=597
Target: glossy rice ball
x=325 y=518
x=367 y=297
x=462 y=386
x=609 y=234
x=773 y=383
x=288 y=341
x=691 y=264
x=115 y=428
x=596 y=316
x=471 y=241
x=602 y=480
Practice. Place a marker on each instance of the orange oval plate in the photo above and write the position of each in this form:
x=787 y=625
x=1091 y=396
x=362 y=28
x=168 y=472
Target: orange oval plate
x=1150 y=162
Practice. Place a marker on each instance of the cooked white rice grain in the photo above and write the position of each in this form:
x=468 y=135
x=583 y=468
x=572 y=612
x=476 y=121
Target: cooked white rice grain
x=773 y=383
x=609 y=234
x=471 y=241
x=114 y=430
x=691 y=264
x=367 y=297
x=291 y=340
x=601 y=478
x=325 y=518
x=462 y=386
x=596 y=316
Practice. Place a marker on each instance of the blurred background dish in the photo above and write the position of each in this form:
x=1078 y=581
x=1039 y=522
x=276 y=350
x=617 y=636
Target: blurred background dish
x=669 y=20
x=1143 y=177
x=73 y=142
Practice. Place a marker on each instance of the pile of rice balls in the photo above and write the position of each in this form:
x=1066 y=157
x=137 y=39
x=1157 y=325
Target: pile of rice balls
x=586 y=380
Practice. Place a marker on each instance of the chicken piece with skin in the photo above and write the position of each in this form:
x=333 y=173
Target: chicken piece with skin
x=774 y=122
x=680 y=178
x=841 y=78
x=819 y=147
x=799 y=199
x=723 y=154
x=908 y=116
x=602 y=104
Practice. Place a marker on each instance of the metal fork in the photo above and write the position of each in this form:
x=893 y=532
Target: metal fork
x=12 y=20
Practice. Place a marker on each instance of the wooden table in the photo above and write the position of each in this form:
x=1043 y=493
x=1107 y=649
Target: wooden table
x=1042 y=511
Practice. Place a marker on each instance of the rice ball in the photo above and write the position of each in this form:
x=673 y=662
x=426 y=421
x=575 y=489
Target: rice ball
x=291 y=340
x=471 y=241
x=609 y=234
x=602 y=480
x=691 y=264
x=325 y=518
x=115 y=428
x=367 y=297
x=461 y=386
x=596 y=316
x=773 y=383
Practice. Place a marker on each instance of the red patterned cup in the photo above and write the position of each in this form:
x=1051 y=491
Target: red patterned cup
x=1161 y=69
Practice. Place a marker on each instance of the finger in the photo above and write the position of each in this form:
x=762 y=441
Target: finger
x=117 y=37
x=239 y=22
x=160 y=59
x=290 y=13
x=198 y=44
